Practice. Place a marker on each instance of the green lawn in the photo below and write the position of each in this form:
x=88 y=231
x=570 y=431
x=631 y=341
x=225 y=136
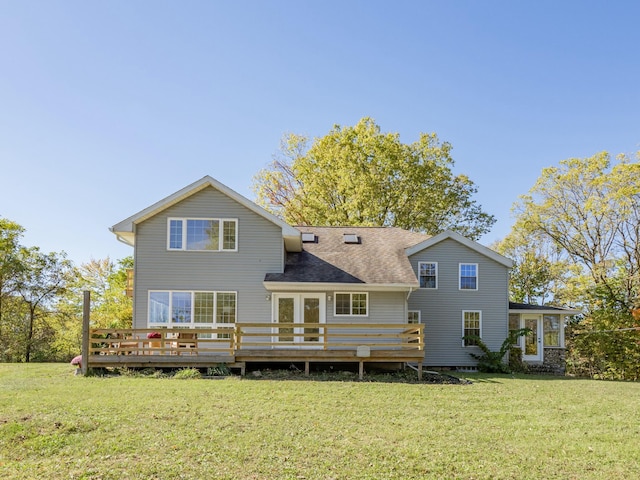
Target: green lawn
x=55 y=425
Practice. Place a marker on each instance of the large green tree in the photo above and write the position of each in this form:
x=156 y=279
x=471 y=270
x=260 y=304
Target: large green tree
x=361 y=176
x=110 y=306
x=43 y=279
x=10 y=266
x=590 y=210
x=587 y=212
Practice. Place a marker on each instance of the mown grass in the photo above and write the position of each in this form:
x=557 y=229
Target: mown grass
x=54 y=425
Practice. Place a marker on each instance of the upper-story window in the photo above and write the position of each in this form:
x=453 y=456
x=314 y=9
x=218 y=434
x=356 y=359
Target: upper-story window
x=203 y=234
x=428 y=273
x=468 y=276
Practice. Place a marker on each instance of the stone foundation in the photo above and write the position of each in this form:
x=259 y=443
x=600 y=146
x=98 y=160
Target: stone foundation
x=553 y=364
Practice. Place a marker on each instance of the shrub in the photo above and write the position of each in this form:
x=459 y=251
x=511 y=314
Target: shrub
x=188 y=373
x=492 y=362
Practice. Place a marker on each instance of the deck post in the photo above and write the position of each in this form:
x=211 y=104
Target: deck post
x=306 y=368
x=419 y=371
x=86 y=314
x=361 y=370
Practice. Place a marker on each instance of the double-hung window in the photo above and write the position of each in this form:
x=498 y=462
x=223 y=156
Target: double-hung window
x=551 y=324
x=351 y=304
x=471 y=325
x=468 y=276
x=192 y=309
x=428 y=273
x=203 y=234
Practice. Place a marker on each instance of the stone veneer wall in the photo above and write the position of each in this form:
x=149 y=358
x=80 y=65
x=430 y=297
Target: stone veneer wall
x=553 y=364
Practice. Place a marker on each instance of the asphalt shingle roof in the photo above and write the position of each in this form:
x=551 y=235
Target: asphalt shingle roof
x=529 y=306
x=379 y=258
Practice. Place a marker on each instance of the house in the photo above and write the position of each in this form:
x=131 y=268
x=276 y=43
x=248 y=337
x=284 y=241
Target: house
x=208 y=258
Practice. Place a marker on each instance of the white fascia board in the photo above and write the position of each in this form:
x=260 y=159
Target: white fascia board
x=448 y=234
x=346 y=287
x=121 y=229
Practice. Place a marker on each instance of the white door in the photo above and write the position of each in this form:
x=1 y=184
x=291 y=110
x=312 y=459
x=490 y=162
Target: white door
x=532 y=348
x=299 y=308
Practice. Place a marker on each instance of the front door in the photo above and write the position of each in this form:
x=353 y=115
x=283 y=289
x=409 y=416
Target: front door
x=304 y=309
x=532 y=351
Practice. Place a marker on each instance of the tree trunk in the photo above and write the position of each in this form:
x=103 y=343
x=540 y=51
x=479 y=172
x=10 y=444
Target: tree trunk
x=27 y=354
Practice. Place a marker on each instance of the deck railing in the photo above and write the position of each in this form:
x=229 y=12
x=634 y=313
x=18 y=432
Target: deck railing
x=166 y=341
x=256 y=335
x=328 y=336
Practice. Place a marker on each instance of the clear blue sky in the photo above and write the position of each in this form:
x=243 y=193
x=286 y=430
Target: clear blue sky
x=107 y=107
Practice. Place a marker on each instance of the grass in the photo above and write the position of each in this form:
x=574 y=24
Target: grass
x=54 y=425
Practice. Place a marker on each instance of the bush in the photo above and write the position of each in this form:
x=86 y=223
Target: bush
x=188 y=373
x=491 y=362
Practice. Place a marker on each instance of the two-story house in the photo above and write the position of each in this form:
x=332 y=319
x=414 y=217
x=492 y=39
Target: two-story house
x=207 y=257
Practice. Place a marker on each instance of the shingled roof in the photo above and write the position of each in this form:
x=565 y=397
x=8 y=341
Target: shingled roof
x=530 y=308
x=378 y=257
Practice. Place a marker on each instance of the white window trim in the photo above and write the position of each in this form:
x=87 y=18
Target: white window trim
x=561 y=325
x=335 y=304
x=460 y=277
x=480 y=325
x=419 y=312
x=428 y=288
x=184 y=234
x=171 y=324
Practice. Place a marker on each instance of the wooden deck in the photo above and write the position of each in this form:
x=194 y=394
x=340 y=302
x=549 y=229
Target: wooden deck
x=243 y=343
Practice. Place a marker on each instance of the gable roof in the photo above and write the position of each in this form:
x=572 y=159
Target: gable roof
x=448 y=234
x=377 y=259
x=125 y=230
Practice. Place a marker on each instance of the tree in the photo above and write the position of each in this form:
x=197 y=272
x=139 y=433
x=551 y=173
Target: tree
x=10 y=265
x=588 y=210
x=43 y=278
x=541 y=274
x=110 y=307
x=361 y=176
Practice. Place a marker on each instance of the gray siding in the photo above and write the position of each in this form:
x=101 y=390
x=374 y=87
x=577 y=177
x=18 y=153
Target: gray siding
x=260 y=250
x=441 y=309
x=384 y=307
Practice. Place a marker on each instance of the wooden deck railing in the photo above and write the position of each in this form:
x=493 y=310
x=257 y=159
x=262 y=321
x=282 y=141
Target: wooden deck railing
x=172 y=341
x=329 y=336
x=256 y=335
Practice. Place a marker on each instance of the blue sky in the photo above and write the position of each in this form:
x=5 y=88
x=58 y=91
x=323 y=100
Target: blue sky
x=107 y=107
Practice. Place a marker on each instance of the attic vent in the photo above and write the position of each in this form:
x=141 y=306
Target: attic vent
x=351 y=238
x=309 y=238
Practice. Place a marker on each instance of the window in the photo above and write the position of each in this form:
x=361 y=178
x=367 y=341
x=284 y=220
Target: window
x=350 y=238
x=189 y=309
x=471 y=325
x=203 y=234
x=468 y=276
x=514 y=324
x=352 y=304
x=551 y=330
x=308 y=237
x=413 y=316
x=428 y=273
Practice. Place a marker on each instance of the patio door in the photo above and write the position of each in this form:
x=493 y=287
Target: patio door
x=299 y=308
x=532 y=349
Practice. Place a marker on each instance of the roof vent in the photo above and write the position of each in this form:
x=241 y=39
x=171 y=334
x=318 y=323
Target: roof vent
x=351 y=238
x=308 y=238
